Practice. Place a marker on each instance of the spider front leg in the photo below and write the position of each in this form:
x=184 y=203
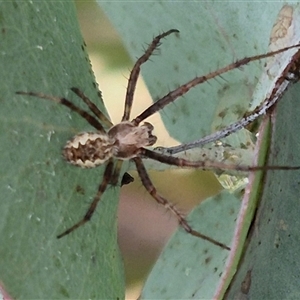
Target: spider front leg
x=136 y=71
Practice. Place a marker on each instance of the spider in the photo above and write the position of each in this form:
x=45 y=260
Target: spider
x=290 y=74
x=127 y=140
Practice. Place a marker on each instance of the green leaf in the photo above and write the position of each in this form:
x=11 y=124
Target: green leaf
x=187 y=263
x=212 y=35
x=42 y=50
x=270 y=266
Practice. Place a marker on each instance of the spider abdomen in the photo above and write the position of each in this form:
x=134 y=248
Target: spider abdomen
x=88 y=149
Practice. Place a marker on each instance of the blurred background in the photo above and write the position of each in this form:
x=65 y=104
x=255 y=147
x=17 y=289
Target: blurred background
x=144 y=226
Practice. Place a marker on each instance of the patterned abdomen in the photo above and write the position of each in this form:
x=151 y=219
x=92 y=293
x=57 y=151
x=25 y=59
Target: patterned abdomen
x=88 y=149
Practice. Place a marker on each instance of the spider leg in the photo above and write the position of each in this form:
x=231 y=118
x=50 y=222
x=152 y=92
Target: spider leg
x=161 y=200
x=136 y=71
x=102 y=187
x=173 y=95
x=207 y=164
x=228 y=130
x=95 y=110
x=90 y=119
x=280 y=86
x=116 y=173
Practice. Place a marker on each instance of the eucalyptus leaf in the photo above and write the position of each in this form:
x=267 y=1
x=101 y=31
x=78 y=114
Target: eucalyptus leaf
x=212 y=35
x=270 y=265
x=42 y=50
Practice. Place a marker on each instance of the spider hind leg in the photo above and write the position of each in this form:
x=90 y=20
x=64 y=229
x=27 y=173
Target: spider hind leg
x=108 y=173
x=161 y=200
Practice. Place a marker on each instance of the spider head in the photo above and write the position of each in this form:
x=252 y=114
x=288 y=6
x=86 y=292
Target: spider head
x=129 y=138
x=88 y=149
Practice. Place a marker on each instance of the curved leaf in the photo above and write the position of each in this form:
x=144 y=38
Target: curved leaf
x=212 y=35
x=270 y=266
x=42 y=50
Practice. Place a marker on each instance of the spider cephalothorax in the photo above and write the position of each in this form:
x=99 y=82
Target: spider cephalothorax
x=127 y=140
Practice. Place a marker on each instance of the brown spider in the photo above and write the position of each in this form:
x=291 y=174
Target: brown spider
x=128 y=139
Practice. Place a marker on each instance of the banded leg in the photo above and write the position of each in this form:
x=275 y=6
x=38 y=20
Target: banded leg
x=161 y=200
x=90 y=119
x=208 y=164
x=95 y=110
x=136 y=71
x=172 y=96
x=102 y=187
x=279 y=88
x=116 y=173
